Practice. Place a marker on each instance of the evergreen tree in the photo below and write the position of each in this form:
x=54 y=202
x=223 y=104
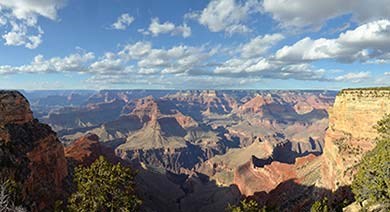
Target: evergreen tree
x=104 y=187
x=246 y=206
x=372 y=181
x=320 y=206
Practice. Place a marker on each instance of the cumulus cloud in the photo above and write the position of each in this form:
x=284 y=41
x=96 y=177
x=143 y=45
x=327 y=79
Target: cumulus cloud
x=259 y=45
x=308 y=13
x=354 y=77
x=367 y=41
x=179 y=66
x=269 y=69
x=19 y=36
x=177 y=59
x=169 y=82
x=25 y=9
x=73 y=63
x=123 y=22
x=226 y=15
x=156 y=28
x=22 y=17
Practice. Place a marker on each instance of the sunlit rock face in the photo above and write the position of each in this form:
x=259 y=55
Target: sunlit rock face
x=351 y=132
x=14 y=108
x=30 y=153
x=86 y=149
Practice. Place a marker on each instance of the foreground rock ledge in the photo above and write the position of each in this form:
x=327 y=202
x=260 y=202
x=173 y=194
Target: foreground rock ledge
x=30 y=153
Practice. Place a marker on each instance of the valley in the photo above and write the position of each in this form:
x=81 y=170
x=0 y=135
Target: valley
x=208 y=146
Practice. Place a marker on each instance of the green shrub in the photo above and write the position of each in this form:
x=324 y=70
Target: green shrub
x=320 y=206
x=246 y=206
x=104 y=187
x=372 y=181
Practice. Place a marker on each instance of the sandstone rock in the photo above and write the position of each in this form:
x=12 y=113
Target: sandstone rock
x=85 y=150
x=14 y=108
x=30 y=153
x=351 y=134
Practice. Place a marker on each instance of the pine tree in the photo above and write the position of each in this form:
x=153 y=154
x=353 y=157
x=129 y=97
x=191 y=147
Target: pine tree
x=104 y=187
x=246 y=206
x=372 y=181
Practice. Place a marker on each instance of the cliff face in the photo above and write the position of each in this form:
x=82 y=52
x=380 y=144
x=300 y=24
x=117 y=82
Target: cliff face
x=351 y=133
x=30 y=153
x=85 y=150
x=14 y=108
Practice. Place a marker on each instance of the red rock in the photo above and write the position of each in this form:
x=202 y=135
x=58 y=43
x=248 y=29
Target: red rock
x=33 y=155
x=85 y=150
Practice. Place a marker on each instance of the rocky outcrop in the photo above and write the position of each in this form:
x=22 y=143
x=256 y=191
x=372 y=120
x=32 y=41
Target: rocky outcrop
x=351 y=134
x=85 y=150
x=285 y=160
x=30 y=153
x=14 y=108
x=256 y=104
x=251 y=179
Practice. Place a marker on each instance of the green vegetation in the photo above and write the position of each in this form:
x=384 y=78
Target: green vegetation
x=246 y=206
x=9 y=195
x=104 y=187
x=363 y=89
x=320 y=206
x=372 y=181
x=383 y=127
x=359 y=91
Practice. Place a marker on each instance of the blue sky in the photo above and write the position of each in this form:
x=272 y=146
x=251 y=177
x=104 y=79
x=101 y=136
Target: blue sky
x=194 y=44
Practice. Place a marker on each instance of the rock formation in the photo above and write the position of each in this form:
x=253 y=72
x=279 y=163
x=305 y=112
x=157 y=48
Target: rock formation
x=199 y=143
x=351 y=132
x=14 y=108
x=30 y=153
x=85 y=150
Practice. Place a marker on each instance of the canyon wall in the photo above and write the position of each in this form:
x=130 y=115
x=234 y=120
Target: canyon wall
x=351 y=133
x=30 y=154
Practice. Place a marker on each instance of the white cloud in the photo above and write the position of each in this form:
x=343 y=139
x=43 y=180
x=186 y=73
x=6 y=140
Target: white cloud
x=226 y=15
x=108 y=64
x=25 y=9
x=140 y=64
x=259 y=45
x=147 y=60
x=73 y=63
x=239 y=66
x=18 y=36
x=123 y=22
x=156 y=28
x=387 y=73
x=363 y=43
x=135 y=51
x=22 y=17
x=354 y=77
x=309 y=13
x=264 y=68
x=178 y=59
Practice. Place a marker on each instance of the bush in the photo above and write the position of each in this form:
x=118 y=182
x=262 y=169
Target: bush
x=246 y=206
x=104 y=187
x=320 y=206
x=372 y=181
x=7 y=196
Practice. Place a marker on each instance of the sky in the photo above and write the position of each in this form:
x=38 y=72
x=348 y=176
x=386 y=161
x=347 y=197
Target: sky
x=194 y=44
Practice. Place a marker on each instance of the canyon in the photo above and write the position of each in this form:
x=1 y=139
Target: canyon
x=202 y=145
x=193 y=150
